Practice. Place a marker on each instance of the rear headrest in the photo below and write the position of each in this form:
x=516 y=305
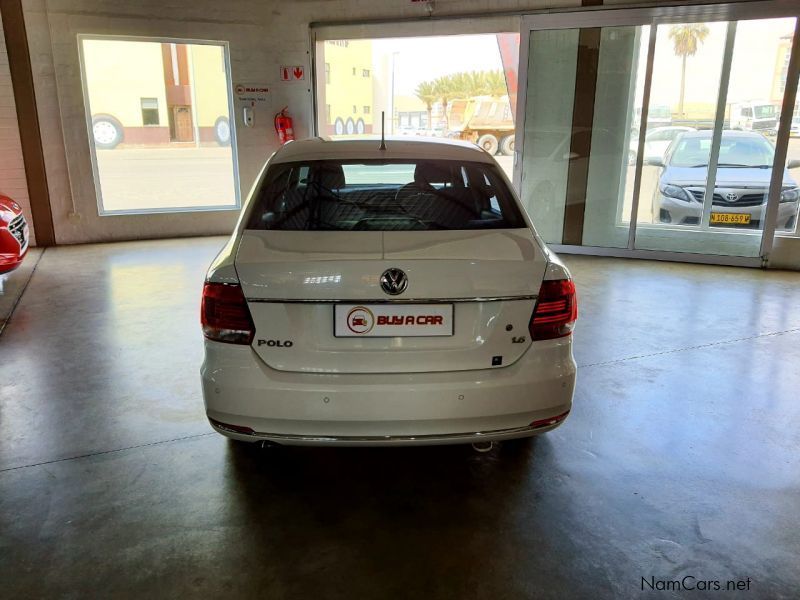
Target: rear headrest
x=427 y=173
x=331 y=176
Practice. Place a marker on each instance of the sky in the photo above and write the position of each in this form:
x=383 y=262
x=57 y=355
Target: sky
x=423 y=58
x=752 y=69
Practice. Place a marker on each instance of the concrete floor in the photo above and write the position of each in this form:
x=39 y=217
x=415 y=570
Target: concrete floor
x=680 y=458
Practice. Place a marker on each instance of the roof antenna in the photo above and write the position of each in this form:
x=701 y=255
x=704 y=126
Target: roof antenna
x=383 y=127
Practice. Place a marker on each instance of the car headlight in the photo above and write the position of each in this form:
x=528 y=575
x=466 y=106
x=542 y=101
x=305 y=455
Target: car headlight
x=677 y=192
x=790 y=195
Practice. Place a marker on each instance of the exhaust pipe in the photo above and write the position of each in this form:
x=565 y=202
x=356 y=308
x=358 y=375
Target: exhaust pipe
x=482 y=447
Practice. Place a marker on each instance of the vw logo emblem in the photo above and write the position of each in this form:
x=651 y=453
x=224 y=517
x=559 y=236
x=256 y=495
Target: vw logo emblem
x=731 y=197
x=394 y=281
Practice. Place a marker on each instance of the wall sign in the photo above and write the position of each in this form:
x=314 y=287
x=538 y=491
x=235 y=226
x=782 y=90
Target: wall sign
x=249 y=94
x=293 y=73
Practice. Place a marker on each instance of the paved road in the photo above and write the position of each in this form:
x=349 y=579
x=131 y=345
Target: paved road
x=147 y=178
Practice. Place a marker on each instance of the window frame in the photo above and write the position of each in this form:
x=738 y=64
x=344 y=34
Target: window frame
x=224 y=45
x=143 y=108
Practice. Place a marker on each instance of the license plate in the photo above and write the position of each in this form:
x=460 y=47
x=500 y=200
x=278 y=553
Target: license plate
x=730 y=218
x=392 y=320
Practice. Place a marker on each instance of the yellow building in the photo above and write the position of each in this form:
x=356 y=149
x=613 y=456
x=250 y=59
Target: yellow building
x=348 y=97
x=410 y=114
x=781 y=68
x=145 y=93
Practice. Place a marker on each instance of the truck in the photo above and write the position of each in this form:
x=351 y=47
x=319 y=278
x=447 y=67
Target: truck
x=754 y=115
x=486 y=120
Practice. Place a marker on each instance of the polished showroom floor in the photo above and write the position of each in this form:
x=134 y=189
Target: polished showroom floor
x=681 y=456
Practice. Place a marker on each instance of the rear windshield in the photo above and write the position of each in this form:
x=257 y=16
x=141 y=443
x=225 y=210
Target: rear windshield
x=383 y=196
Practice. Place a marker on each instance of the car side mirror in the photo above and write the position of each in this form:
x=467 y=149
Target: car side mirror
x=654 y=162
x=793 y=163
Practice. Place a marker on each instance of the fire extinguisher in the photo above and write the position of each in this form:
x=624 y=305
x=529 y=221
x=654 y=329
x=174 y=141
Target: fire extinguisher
x=284 y=127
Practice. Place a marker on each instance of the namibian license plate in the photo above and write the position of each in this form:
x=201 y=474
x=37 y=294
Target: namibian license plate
x=392 y=320
x=730 y=218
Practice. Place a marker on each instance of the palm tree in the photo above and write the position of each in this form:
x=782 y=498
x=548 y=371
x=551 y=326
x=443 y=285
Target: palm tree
x=461 y=85
x=426 y=92
x=495 y=82
x=444 y=92
x=686 y=40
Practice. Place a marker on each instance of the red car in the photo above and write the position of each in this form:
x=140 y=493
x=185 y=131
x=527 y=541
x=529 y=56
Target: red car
x=13 y=235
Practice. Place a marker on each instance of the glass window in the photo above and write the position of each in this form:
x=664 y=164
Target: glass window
x=548 y=128
x=437 y=86
x=160 y=125
x=334 y=195
x=701 y=175
x=149 y=111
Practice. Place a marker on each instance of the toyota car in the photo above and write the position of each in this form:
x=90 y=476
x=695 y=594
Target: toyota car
x=744 y=171
x=377 y=295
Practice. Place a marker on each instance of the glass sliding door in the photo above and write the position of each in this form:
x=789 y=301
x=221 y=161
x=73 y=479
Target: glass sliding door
x=708 y=191
x=548 y=129
x=646 y=132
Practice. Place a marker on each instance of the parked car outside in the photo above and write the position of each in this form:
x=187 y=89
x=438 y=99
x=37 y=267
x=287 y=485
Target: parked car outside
x=744 y=171
x=14 y=235
x=656 y=142
x=386 y=296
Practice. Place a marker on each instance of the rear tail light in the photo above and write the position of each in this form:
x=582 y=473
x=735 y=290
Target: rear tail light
x=233 y=428
x=550 y=421
x=224 y=314
x=556 y=310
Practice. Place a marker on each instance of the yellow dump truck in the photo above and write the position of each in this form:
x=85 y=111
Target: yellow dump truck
x=485 y=120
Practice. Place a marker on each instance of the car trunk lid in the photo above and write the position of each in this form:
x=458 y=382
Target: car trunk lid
x=293 y=281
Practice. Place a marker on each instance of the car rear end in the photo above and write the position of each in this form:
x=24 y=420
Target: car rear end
x=377 y=298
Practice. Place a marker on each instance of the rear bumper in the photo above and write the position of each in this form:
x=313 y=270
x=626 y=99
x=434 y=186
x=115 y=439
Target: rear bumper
x=386 y=409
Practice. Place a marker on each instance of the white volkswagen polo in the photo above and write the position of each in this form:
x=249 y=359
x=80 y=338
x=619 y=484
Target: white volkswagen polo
x=380 y=296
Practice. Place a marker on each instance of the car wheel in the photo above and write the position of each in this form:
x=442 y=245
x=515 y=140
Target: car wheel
x=222 y=131
x=106 y=131
x=360 y=127
x=507 y=145
x=350 y=127
x=338 y=127
x=489 y=143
